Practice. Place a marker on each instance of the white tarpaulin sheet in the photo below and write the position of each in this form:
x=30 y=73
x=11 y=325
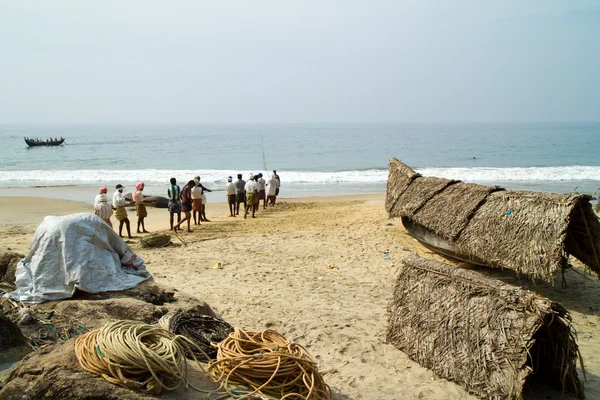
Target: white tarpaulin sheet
x=78 y=251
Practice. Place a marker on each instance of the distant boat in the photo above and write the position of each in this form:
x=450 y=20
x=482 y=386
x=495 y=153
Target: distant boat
x=34 y=143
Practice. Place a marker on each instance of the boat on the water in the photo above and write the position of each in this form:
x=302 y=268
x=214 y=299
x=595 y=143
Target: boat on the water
x=532 y=233
x=36 y=142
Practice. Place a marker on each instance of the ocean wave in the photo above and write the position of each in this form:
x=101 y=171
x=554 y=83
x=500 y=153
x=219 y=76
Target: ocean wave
x=154 y=176
x=375 y=176
x=518 y=174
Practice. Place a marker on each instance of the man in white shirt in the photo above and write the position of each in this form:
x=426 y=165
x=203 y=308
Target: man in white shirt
x=261 y=191
x=119 y=204
x=101 y=206
x=197 y=202
x=272 y=187
x=251 y=189
x=230 y=190
x=204 y=190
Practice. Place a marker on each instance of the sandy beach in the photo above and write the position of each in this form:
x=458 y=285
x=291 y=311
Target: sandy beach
x=313 y=269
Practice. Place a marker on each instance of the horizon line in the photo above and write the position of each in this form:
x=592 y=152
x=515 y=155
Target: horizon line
x=305 y=122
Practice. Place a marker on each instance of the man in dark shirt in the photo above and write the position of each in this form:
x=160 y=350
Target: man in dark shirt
x=174 y=202
x=186 y=205
x=276 y=177
x=240 y=194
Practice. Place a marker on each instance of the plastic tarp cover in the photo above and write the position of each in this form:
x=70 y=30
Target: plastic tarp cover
x=78 y=251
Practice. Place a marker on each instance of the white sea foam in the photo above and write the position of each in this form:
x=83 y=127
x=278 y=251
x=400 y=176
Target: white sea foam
x=371 y=176
x=153 y=176
x=530 y=174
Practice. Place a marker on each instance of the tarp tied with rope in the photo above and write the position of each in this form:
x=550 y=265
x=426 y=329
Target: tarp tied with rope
x=76 y=252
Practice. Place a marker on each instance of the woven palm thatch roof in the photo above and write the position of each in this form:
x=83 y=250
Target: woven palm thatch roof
x=399 y=178
x=485 y=335
x=531 y=233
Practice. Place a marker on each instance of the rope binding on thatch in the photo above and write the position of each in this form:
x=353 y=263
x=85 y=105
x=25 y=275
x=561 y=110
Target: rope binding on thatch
x=488 y=336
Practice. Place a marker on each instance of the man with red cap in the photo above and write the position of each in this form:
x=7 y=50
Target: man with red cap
x=101 y=206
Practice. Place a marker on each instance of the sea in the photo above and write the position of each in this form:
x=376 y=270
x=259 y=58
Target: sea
x=311 y=159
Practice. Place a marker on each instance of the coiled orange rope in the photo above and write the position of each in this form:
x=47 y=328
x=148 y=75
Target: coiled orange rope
x=269 y=364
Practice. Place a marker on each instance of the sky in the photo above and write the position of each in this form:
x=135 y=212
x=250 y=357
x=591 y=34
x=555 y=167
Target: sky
x=290 y=61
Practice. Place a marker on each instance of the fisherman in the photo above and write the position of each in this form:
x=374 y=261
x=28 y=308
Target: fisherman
x=261 y=191
x=272 y=186
x=251 y=189
x=240 y=194
x=174 y=205
x=230 y=190
x=186 y=205
x=278 y=180
x=119 y=204
x=197 y=201
x=140 y=207
x=204 y=189
x=101 y=206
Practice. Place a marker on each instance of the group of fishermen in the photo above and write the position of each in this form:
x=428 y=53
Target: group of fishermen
x=104 y=209
x=191 y=200
x=251 y=193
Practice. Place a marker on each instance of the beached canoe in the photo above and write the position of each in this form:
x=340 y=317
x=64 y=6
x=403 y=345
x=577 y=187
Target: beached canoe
x=531 y=233
x=482 y=333
x=32 y=143
x=437 y=243
x=154 y=201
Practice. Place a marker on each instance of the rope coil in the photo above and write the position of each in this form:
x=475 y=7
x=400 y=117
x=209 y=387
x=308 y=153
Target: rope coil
x=269 y=364
x=145 y=357
x=135 y=355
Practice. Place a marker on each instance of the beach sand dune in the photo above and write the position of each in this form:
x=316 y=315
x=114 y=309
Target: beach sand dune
x=321 y=272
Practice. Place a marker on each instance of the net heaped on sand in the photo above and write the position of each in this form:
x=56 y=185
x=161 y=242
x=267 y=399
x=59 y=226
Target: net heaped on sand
x=155 y=240
x=487 y=336
x=202 y=330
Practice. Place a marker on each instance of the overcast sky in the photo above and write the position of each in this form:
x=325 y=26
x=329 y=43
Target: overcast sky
x=199 y=61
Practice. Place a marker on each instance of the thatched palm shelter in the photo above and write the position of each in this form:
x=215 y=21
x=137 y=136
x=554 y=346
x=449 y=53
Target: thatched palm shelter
x=529 y=232
x=485 y=335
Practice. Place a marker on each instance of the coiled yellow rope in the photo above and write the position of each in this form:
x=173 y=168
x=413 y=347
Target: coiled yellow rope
x=135 y=355
x=269 y=364
x=163 y=322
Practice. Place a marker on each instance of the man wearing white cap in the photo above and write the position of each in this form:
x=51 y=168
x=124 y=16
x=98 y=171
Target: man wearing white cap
x=261 y=191
x=119 y=204
x=251 y=195
x=230 y=190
